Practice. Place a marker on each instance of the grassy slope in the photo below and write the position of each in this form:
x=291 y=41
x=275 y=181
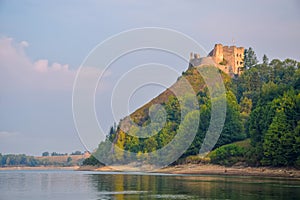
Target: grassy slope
x=191 y=75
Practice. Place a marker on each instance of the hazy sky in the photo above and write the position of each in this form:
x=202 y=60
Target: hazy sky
x=42 y=43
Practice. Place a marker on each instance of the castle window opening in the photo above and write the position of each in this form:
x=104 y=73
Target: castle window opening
x=232 y=55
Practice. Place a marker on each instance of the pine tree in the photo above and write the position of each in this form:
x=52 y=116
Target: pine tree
x=278 y=142
x=250 y=58
x=265 y=60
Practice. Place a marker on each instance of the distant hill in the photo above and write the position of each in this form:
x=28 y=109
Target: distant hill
x=65 y=160
x=22 y=160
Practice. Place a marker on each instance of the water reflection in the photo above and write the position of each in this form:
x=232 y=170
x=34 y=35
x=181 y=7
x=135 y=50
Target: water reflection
x=46 y=185
x=134 y=186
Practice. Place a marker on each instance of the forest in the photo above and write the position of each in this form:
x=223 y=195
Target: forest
x=262 y=124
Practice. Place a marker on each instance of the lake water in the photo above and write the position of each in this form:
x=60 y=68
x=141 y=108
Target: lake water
x=75 y=185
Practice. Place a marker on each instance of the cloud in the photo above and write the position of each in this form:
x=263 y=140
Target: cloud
x=18 y=71
x=43 y=66
x=24 y=44
x=5 y=134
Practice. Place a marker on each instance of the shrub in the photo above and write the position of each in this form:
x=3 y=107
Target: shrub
x=223 y=62
x=228 y=154
x=92 y=161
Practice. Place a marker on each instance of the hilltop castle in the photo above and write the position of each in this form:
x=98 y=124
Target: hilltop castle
x=230 y=59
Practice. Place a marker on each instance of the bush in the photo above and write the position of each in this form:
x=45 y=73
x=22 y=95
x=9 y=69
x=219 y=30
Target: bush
x=228 y=154
x=223 y=62
x=194 y=159
x=92 y=161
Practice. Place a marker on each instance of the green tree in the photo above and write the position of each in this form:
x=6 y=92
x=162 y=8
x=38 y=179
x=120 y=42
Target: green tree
x=45 y=153
x=132 y=141
x=76 y=153
x=186 y=131
x=250 y=58
x=150 y=145
x=233 y=127
x=246 y=105
x=173 y=109
x=118 y=151
x=278 y=142
x=92 y=160
x=69 y=160
x=265 y=60
x=166 y=134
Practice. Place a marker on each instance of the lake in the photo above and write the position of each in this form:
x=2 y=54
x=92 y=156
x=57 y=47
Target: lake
x=75 y=185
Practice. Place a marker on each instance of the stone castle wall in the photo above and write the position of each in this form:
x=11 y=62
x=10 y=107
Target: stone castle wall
x=229 y=58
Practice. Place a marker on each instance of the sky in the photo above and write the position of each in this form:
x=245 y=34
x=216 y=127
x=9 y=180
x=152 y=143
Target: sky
x=43 y=43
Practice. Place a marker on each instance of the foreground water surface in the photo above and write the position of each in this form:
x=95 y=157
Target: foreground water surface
x=75 y=185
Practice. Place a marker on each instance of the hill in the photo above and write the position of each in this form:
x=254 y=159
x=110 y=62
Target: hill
x=182 y=103
x=262 y=105
x=66 y=160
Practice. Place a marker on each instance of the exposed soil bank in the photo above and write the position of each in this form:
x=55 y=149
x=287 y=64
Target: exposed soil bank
x=238 y=171
x=211 y=170
x=196 y=169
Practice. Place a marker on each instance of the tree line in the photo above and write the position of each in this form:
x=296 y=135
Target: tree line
x=25 y=160
x=46 y=153
x=271 y=89
x=18 y=160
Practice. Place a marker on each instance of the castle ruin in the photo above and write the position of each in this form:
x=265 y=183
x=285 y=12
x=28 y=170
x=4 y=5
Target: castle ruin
x=230 y=59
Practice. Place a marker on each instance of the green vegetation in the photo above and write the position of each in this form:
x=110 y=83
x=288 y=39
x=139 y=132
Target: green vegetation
x=58 y=154
x=175 y=122
x=77 y=153
x=231 y=153
x=46 y=153
x=223 y=62
x=272 y=90
x=17 y=160
x=55 y=159
x=263 y=107
x=250 y=58
x=91 y=161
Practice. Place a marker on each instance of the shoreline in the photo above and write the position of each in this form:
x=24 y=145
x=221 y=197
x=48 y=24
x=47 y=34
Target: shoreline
x=19 y=168
x=207 y=169
x=188 y=169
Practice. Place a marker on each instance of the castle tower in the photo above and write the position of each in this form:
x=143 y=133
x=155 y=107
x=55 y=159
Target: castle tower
x=217 y=53
x=229 y=59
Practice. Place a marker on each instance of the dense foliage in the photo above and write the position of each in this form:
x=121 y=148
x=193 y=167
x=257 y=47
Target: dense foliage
x=263 y=105
x=91 y=161
x=179 y=119
x=18 y=160
x=273 y=124
x=55 y=159
x=231 y=153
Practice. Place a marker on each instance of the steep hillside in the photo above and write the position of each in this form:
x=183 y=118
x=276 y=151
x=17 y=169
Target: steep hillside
x=189 y=93
x=262 y=104
x=194 y=79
